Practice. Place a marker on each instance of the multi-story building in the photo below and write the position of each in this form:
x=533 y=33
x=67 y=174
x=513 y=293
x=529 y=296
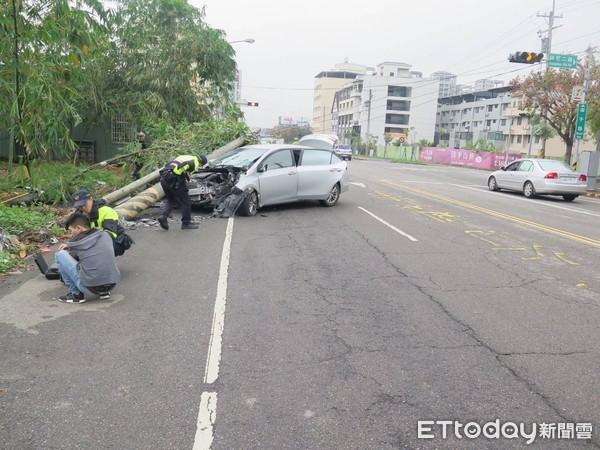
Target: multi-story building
x=326 y=85
x=495 y=116
x=390 y=101
x=447 y=83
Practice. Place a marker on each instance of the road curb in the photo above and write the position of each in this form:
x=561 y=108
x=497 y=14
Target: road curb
x=592 y=194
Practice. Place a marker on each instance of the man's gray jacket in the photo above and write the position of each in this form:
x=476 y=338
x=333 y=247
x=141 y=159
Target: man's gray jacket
x=94 y=251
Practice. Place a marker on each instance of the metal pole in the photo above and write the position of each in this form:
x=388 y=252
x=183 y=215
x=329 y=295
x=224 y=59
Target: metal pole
x=369 y=123
x=550 y=26
x=586 y=84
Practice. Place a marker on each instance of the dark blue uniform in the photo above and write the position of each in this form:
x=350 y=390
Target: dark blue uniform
x=173 y=179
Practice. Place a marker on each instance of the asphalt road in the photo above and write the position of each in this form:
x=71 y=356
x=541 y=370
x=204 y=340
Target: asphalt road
x=420 y=297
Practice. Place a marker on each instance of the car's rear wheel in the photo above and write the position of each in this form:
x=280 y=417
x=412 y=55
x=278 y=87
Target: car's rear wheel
x=492 y=184
x=569 y=197
x=249 y=206
x=333 y=197
x=529 y=190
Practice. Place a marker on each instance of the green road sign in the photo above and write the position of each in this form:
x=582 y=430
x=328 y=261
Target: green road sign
x=580 y=124
x=559 y=61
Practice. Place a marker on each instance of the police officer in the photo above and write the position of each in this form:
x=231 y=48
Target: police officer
x=173 y=179
x=138 y=165
x=103 y=216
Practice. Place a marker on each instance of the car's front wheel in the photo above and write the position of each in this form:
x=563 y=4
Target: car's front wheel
x=529 y=190
x=249 y=206
x=569 y=197
x=333 y=197
x=492 y=184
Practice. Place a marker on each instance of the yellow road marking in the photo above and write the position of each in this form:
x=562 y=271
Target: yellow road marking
x=538 y=253
x=491 y=212
x=480 y=238
x=561 y=256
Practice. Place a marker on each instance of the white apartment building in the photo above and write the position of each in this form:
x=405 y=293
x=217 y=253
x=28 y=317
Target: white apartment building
x=447 y=83
x=390 y=101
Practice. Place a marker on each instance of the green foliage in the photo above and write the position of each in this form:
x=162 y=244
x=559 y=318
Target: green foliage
x=549 y=95
x=26 y=219
x=167 y=141
x=482 y=145
x=67 y=63
x=171 y=65
x=45 y=46
x=9 y=261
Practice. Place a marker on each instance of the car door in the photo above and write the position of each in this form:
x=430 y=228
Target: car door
x=505 y=178
x=522 y=174
x=318 y=171
x=278 y=178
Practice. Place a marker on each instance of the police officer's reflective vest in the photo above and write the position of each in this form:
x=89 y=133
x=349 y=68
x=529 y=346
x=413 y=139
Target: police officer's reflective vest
x=181 y=164
x=103 y=216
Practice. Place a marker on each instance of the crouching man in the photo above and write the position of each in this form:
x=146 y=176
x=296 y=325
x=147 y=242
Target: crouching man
x=87 y=261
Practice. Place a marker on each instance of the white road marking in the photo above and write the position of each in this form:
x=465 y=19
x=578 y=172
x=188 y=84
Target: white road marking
x=207 y=411
x=523 y=199
x=211 y=373
x=206 y=419
x=388 y=224
x=362 y=185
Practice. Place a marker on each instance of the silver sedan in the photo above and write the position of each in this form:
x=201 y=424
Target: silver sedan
x=533 y=176
x=248 y=178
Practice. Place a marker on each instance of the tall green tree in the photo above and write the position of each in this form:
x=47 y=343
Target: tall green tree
x=172 y=65
x=43 y=50
x=549 y=93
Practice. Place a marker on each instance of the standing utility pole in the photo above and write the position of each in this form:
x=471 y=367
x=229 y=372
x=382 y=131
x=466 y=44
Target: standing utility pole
x=550 y=17
x=586 y=85
x=369 y=122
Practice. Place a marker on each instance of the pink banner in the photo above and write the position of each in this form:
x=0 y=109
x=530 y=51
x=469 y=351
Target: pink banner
x=469 y=158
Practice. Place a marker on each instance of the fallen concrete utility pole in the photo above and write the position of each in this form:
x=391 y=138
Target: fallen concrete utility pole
x=133 y=206
x=120 y=193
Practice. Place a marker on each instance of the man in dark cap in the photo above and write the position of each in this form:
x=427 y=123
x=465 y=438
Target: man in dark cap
x=103 y=216
x=173 y=179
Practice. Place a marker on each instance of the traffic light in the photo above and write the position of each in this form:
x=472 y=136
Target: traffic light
x=252 y=103
x=525 y=57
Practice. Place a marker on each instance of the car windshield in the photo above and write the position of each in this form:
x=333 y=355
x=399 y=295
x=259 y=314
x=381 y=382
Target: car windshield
x=242 y=157
x=554 y=166
x=343 y=147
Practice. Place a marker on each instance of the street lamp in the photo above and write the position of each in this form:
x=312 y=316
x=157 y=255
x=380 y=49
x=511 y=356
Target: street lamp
x=249 y=41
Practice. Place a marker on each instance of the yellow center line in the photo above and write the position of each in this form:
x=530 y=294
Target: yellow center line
x=491 y=212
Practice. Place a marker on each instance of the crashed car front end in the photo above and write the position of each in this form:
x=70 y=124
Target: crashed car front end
x=216 y=187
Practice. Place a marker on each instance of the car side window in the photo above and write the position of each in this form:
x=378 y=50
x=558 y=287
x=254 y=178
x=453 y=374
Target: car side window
x=512 y=167
x=316 y=157
x=526 y=166
x=282 y=158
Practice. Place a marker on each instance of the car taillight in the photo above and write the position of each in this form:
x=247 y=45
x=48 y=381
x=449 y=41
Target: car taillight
x=551 y=176
x=582 y=177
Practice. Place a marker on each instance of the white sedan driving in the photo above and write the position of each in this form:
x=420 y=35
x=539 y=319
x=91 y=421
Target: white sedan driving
x=535 y=176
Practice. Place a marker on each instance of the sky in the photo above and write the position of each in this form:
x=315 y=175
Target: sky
x=294 y=41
